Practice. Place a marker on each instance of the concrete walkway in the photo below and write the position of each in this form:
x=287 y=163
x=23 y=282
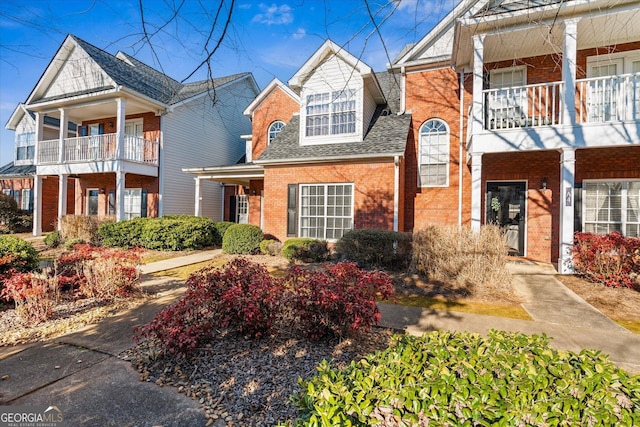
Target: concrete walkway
x=82 y=374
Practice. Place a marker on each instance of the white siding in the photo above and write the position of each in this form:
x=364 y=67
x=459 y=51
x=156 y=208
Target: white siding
x=332 y=75
x=78 y=73
x=25 y=125
x=367 y=111
x=203 y=132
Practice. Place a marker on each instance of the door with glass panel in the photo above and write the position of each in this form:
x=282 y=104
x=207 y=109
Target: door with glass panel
x=506 y=208
x=507 y=98
x=242 y=209
x=133 y=142
x=603 y=93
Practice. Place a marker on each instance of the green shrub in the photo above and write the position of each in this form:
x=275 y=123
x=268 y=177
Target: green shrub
x=446 y=378
x=177 y=233
x=221 y=228
x=390 y=250
x=305 y=249
x=53 y=240
x=12 y=219
x=123 y=234
x=242 y=239
x=270 y=247
x=25 y=257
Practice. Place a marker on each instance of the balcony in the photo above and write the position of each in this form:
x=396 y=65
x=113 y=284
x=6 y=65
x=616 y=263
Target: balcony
x=534 y=117
x=97 y=148
x=598 y=100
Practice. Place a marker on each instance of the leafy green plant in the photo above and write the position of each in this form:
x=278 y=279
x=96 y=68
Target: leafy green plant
x=53 y=239
x=8 y=211
x=221 y=228
x=386 y=249
x=447 y=378
x=123 y=234
x=611 y=259
x=242 y=239
x=305 y=249
x=18 y=255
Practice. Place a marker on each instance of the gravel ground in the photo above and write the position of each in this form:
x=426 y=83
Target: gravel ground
x=248 y=382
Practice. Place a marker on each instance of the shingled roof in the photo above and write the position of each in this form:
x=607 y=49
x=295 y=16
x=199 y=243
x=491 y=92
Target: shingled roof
x=11 y=170
x=386 y=135
x=127 y=71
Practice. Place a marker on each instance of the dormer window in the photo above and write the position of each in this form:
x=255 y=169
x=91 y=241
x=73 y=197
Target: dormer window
x=331 y=113
x=274 y=130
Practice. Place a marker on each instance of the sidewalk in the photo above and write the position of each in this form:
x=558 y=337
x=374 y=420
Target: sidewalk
x=82 y=374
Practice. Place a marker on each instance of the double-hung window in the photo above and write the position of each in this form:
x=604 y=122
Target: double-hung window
x=331 y=113
x=326 y=210
x=132 y=203
x=612 y=206
x=434 y=154
x=25 y=149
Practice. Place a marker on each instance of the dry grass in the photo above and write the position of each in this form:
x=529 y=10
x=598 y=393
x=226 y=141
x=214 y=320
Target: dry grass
x=621 y=305
x=474 y=262
x=80 y=227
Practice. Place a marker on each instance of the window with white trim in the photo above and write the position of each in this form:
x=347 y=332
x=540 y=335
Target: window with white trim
x=25 y=146
x=27 y=200
x=132 y=203
x=331 y=113
x=274 y=130
x=326 y=210
x=612 y=206
x=434 y=154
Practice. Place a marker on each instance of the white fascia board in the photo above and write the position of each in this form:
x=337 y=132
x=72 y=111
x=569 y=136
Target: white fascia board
x=275 y=83
x=328 y=48
x=437 y=31
x=16 y=116
x=330 y=159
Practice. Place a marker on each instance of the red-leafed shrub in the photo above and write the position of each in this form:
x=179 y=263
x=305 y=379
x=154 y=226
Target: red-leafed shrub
x=34 y=295
x=336 y=301
x=610 y=259
x=244 y=298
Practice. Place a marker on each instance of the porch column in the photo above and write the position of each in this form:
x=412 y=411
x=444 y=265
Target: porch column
x=120 y=118
x=62 y=198
x=120 y=177
x=64 y=126
x=38 y=136
x=476 y=191
x=567 y=176
x=569 y=55
x=37 y=205
x=478 y=82
x=198 y=205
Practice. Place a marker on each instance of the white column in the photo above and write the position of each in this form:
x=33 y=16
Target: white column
x=120 y=186
x=476 y=191
x=120 y=118
x=64 y=126
x=37 y=205
x=198 y=206
x=478 y=82
x=569 y=55
x=38 y=136
x=567 y=199
x=62 y=198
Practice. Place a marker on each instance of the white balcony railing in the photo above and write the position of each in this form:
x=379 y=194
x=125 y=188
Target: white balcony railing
x=523 y=106
x=608 y=99
x=598 y=100
x=98 y=148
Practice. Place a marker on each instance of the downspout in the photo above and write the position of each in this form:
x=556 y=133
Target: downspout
x=396 y=191
x=222 y=200
x=403 y=85
x=461 y=149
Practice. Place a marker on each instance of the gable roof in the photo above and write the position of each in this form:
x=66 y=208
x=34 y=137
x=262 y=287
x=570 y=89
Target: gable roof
x=125 y=72
x=273 y=85
x=328 y=49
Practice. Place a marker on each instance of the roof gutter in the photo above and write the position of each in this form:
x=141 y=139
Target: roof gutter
x=329 y=159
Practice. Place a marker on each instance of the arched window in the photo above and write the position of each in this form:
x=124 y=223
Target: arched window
x=434 y=154
x=274 y=130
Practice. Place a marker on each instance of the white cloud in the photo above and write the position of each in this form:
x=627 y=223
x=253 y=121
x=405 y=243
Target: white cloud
x=274 y=15
x=413 y=6
x=245 y=6
x=300 y=33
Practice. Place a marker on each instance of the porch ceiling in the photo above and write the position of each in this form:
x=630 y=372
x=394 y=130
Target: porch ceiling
x=543 y=37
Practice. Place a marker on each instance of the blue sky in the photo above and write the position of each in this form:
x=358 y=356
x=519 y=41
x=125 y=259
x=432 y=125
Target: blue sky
x=270 y=39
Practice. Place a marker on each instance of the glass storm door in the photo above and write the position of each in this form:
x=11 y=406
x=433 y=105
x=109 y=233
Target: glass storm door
x=506 y=203
x=242 y=209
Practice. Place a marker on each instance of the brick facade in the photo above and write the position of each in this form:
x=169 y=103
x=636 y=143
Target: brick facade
x=150 y=124
x=276 y=106
x=373 y=192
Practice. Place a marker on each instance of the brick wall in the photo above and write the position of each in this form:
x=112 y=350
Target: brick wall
x=276 y=106
x=434 y=94
x=150 y=124
x=107 y=181
x=608 y=163
x=373 y=192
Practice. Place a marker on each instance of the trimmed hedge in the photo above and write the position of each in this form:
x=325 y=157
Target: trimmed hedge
x=242 y=239
x=386 y=249
x=305 y=249
x=220 y=228
x=169 y=233
x=447 y=378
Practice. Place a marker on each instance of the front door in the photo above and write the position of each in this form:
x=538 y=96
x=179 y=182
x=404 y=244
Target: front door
x=92 y=202
x=242 y=209
x=506 y=202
